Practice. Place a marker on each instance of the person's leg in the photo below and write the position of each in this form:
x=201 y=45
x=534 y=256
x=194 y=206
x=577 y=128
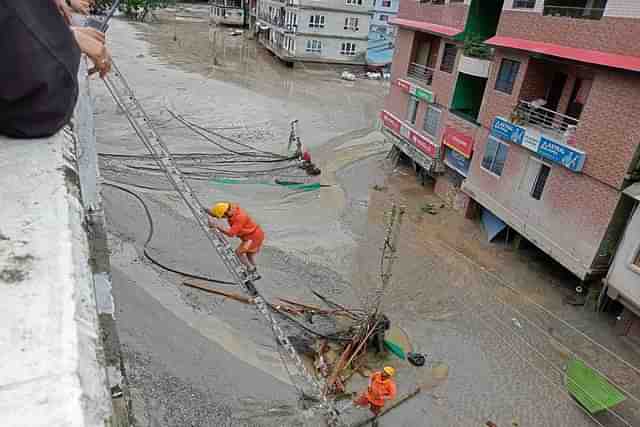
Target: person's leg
x=241 y=252
x=251 y=256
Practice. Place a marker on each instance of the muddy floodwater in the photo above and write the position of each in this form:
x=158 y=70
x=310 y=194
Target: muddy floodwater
x=195 y=359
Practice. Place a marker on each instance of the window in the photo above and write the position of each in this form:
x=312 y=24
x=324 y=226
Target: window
x=456 y=1
x=524 y=4
x=351 y=24
x=316 y=21
x=354 y=2
x=412 y=110
x=384 y=18
x=507 y=75
x=386 y=3
x=448 y=58
x=540 y=180
x=495 y=155
x=313 y=46
x=348 y=49
x=432 y=121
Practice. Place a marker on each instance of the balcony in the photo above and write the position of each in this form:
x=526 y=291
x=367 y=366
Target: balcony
x=559 y=125
x=421 y=73
x=573 y=12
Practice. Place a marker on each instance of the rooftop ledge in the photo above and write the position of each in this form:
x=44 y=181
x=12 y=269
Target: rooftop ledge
x=50 y=372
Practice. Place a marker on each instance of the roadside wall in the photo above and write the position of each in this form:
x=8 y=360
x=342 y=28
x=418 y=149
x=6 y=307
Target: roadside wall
x=52 y=358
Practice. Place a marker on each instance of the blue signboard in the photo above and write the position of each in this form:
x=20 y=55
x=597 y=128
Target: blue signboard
x=532 y=140
x=457 y=161
x=568 y=157
x=507 y=131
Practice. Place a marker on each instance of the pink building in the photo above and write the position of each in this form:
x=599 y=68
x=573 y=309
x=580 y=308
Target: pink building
x=538 y=125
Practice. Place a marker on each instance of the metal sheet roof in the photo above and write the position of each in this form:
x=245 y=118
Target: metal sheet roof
x=426 y=26
x=612 y=60
x=633 y=191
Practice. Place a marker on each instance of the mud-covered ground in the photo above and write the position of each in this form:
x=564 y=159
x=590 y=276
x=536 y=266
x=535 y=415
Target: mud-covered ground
x=194 y=359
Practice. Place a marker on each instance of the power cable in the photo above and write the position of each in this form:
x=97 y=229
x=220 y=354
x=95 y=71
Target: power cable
x=553 y=365
x=528 y=362
x=150 y=236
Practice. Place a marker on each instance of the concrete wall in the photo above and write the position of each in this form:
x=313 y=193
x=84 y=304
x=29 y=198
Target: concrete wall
x=622 y=8
x=624 y=275
x=609 y=34
x=454 y=15
x=51 y=373
x=55 y=367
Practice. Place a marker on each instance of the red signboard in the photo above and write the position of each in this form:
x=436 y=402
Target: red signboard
x=459 y=141
x=423 y=144
x=404 y=85
x=390 y=122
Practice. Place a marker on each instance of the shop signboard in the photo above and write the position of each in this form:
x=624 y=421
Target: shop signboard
x=418 y=141
x=568 y=157
x=507 y=131
x=460 y=142
x=533 y=140
x=457 y=161
x=390 y=122
x=418 y=92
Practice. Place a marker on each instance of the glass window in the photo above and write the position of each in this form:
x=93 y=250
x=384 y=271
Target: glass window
x=351 y=24
x=385 y=3
x=384 y=18
x=507 y=75
x=313 y=46
x=495 y=155
x=432 y=121
x=412 y=110
x=448 y=58
x=316 y=21
x=524 y=4
x=540 y=180
x=348 y=49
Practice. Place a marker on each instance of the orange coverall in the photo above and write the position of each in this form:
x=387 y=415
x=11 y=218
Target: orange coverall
x=379 y=390
x=242 y=226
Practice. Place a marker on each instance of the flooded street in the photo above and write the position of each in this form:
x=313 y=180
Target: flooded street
x=194 y=359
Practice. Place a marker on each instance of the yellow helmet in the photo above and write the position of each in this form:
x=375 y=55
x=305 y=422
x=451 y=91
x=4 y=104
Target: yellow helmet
x=389 y=371
x=219 y=209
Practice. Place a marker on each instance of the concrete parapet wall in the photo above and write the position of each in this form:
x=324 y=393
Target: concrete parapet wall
x=50 y=372
x=52 y=358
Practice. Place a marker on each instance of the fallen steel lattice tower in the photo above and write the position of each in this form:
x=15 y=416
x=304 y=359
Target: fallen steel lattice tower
x=139 y=120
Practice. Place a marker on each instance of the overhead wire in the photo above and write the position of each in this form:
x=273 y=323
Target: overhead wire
x=149 y=237
x=549 y=313
x=553 y=365
x=528 y=362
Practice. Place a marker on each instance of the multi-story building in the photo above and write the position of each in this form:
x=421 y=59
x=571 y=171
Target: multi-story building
x=381 y=32
x=333 y=31
x=380 y=25
x=536 y=126
x=229 y=12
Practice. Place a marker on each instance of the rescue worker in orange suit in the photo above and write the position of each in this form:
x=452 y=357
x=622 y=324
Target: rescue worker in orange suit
x=243 y=227
x=381 y=388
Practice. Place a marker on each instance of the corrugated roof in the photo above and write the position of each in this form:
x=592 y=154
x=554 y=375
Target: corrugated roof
x=633 y=191
x=426 y=26
x=612 y=60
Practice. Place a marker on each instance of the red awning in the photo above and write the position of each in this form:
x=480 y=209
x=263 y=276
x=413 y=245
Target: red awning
x=631 y=63
x=426 y=26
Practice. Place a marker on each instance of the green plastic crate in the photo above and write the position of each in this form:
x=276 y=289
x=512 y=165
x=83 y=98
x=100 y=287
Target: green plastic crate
x=591 y=389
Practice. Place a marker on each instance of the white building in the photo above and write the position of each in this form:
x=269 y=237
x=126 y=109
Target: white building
x=228 y=12
x=333 y=31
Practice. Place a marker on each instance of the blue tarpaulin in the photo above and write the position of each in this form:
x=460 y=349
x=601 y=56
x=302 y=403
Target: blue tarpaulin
x=492 y=224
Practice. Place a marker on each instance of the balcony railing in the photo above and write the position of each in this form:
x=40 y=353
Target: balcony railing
x=528 y=113
x=574 y=12
x=421 y=73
